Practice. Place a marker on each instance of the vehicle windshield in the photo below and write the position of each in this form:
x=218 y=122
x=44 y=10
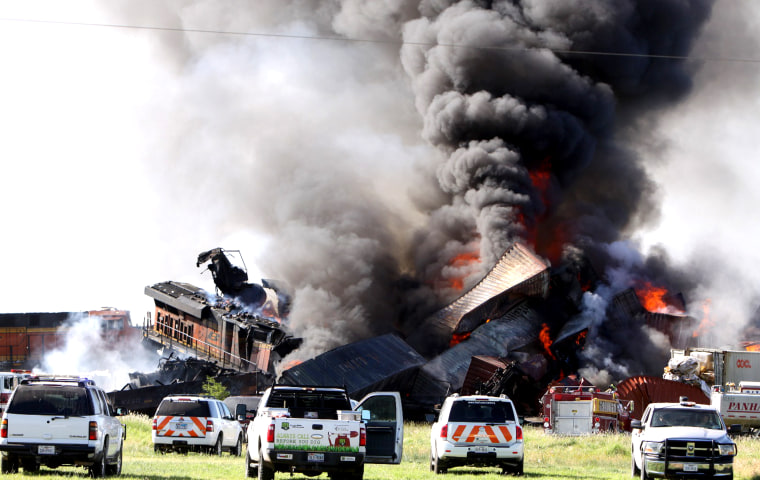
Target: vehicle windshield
x=481 y=411
x=682 y=417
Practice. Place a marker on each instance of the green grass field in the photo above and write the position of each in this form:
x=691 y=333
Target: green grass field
x=597 y=457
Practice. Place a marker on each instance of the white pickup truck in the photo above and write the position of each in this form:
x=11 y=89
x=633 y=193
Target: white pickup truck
x=682 y=439
x=311 y=430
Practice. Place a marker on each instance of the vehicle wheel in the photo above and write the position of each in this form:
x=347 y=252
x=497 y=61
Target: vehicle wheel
x=265 y=473
x=436 y=464
x=518 y=470
x=250 y=470
x=217 y=448
x=634 y=469
x=98 y=469
x=115 y=468
x=357 y=474
x=9 y=464
x=237 y=450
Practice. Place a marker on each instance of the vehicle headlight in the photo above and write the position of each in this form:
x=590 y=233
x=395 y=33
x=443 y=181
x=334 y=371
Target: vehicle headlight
x=727 y=449
x=652 y=447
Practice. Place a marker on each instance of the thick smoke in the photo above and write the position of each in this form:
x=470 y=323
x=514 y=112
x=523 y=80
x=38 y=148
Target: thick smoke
x=526 y=116
x=86 y=352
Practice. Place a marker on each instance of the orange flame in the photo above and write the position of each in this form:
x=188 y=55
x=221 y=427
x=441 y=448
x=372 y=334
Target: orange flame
x=651 y=298
x=753 y=347
x=546 y=340
x=458 y=338
x=706 y=324
x=581 y=338
x=459 y=261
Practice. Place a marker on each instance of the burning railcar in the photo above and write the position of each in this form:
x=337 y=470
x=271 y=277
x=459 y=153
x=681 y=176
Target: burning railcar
x=240 y=329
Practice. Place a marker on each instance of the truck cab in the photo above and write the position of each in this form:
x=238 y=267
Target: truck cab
x=681 y=439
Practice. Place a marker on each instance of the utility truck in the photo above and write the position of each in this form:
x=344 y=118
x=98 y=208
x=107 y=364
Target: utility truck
x=314 y=429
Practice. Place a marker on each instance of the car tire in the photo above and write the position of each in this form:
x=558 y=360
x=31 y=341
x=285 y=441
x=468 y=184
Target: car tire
x=237 y=450
x=265 y=472
x=9 y=464
x=217 y=448
x=518 y=470
x=115 y=468
x=98 y=469
x=436 y=465
x=250 y=471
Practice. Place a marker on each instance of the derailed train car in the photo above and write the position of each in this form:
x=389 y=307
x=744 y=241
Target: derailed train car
x=26 y=338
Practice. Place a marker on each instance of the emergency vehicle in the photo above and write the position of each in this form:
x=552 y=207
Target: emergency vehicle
x=477 y=430
x=8 y=382
x=583 y=409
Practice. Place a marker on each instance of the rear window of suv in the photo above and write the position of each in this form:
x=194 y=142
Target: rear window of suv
x=481 y=411
x=62 y=400
x=183 y=408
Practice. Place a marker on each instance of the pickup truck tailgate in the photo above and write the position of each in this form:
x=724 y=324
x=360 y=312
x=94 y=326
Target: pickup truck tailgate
x=316 y=435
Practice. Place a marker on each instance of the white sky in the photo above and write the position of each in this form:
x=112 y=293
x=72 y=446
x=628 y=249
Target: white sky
x=88 y=219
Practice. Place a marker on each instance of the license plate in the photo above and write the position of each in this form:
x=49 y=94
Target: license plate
x=481 y=449
x=315 y=457
x=46 y=450
x=180 y=426
x=690 y=467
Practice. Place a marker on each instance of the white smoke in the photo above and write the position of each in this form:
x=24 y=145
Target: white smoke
x=87 y=352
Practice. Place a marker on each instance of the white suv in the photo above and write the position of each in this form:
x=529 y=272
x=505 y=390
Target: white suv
x=477 y=430
x=54 y=421
x=191 y=422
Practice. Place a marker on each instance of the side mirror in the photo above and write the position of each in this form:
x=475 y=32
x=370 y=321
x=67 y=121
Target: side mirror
x=366 y=416
x=636 y=424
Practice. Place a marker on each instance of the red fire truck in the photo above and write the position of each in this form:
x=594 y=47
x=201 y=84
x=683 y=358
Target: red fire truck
x=584 y=409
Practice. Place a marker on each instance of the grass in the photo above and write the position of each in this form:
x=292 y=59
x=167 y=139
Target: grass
x=597 y=457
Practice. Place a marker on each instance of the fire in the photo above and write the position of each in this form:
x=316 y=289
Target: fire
x=651 y=297
x=581 y=338
x=706 y=324
x=546 y=340
x=458 y=338
x=753 y=347
x=459 y=262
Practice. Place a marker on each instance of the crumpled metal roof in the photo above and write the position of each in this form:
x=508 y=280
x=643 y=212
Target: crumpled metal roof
x=384 y=362
x=446 y=372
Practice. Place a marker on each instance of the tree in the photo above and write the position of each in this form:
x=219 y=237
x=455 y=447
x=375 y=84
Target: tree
x=215 y=389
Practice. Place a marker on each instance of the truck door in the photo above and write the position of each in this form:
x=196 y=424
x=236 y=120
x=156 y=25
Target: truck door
x=385 y=427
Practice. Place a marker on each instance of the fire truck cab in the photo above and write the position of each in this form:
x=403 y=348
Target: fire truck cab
x=581 y=410
x=8 y=382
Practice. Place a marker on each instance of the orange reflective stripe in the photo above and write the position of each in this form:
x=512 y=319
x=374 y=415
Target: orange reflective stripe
x=458 y=433
x=163 y=422
x=505 y=432
x=198 y=423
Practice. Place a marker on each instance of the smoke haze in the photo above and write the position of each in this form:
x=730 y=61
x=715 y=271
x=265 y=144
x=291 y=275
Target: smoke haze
x=357 y=170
